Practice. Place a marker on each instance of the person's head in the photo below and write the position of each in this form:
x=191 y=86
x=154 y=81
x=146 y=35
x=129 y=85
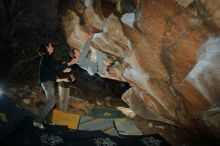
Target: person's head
x=46 y=48
x=75 y=53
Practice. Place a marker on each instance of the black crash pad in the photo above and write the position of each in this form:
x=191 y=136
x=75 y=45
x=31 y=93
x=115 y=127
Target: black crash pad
x=12 y=114
x=29 y=135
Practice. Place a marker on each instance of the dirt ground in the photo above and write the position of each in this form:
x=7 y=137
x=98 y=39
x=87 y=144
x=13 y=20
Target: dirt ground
x=90 y=92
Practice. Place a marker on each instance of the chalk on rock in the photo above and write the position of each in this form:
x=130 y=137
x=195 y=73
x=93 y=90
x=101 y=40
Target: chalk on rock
x=126 y=111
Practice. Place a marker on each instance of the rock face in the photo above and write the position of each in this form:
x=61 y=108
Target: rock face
x=167 y=50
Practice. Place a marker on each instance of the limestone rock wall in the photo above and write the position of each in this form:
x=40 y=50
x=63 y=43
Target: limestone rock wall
x=167 y=50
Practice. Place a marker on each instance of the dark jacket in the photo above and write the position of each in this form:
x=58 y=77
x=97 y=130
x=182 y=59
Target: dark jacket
x=49 y=68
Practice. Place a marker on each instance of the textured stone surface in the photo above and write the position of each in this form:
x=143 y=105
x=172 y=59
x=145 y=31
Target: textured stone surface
x=112 y=39
x=169 y=54
x=93 y=18
x=213 y=9
x=184 y=3
x=75 y=33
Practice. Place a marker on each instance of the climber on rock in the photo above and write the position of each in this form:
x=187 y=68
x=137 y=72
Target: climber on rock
x=90 y=59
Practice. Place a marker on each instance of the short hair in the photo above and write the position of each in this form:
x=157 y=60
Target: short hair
x=43 y=48
x=72 y=53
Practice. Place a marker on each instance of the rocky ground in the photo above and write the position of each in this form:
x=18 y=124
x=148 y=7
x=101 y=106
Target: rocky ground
x=29 y=95
x=92 y=91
